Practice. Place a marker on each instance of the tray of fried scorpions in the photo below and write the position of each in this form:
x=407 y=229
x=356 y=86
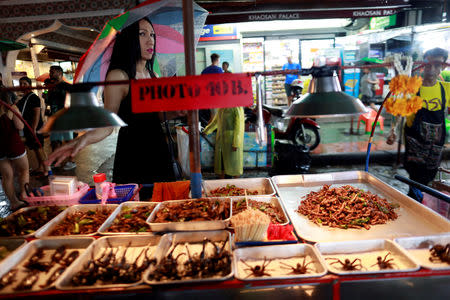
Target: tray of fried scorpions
x=39 y=264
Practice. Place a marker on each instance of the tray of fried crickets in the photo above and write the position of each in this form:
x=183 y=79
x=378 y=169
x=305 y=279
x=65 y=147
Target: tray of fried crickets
x=354 y=205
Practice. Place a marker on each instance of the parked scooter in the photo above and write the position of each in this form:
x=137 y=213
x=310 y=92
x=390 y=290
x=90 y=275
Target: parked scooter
x=301 y=131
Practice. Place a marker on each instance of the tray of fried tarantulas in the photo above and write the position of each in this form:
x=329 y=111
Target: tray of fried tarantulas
x=278 y=262
x=189 y=257
x=26 y=221
x=191 y=215
x=432 y=251
x=39 y=264
x=112 y=262
x=365 y=257
x=129 y=217
x=78 y=220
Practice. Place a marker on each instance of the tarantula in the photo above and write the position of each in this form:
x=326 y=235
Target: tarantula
x=299 y=268
x=258 y=270
x=348 y=265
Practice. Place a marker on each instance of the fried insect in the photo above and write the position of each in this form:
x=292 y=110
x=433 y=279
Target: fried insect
x=34 y=263
x=299 y=268
x=28 y=282
x=166 y=269
x=55 y=275
x=8 y=278
x=231 y=190
x=59 y=254
x=68 y=260
x=440 y=253
x=193 y=210
x=132 y=220
x=348 y=265
x=258 y=270
x=384 y=263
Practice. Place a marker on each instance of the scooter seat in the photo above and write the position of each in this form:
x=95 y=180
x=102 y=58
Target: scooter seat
x=276 y=111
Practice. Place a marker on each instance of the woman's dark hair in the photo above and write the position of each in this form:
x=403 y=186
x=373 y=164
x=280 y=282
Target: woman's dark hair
x=25 y=78
x=127 y=51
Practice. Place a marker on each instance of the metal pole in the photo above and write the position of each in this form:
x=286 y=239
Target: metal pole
x=194 y=137
x=261 y=132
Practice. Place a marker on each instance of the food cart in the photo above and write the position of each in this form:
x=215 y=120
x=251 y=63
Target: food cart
x=408 y=239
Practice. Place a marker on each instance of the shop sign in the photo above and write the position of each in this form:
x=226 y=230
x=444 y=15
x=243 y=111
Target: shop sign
x=191 y=92
x=382 y=22
x=218 y=32
x=303 y=14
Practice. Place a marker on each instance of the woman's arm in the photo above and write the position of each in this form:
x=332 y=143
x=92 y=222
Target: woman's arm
x=16 y=120
x=114 y=94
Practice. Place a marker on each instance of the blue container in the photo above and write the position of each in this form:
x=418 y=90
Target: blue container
x=123 y=192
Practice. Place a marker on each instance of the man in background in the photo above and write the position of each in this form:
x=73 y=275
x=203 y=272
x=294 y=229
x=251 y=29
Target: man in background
x=425 y=130
x=204 y=115
x=225 y=67
x=56 y=99
x=290 y=77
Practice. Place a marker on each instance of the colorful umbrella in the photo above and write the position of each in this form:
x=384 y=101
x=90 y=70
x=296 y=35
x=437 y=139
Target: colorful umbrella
x=7 y=45
x=167 y=19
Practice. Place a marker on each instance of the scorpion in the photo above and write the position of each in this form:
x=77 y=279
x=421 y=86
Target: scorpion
x=299 y=268
x=384 y=263
x=258 y=270
x=348 y=265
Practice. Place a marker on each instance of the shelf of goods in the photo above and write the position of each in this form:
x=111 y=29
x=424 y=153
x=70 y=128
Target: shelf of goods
x=275 y=91
x=123 y=257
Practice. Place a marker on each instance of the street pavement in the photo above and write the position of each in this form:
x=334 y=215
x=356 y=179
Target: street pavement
x=339 y=151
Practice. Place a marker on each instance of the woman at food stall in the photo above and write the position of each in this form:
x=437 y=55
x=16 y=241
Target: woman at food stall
x=13 y=155
x=132 y=58
x=229 y=148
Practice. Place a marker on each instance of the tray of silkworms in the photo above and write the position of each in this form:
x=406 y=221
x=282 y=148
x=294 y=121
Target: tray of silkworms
x=354 y=205
x=365 y=257
x=77 y=220
x=129 y=218
x=238 y=187
x=269 y=205
x=191 y=215
x=26 y=221
x=189 y=257
x=432 y=252
x=278 y=262
x=40 y=263
x=8 y=246
x=112 y=261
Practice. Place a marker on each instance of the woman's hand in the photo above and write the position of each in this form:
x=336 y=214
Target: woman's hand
x=70 y=149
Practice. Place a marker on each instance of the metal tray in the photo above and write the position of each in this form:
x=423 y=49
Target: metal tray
x=274 y=200
x=367 y=251
x=264 y=186
x=293 y=188
x=418 y=248
x=103 y=230
x=193 y=238
x=187 y=226
x=11 y=245
x=19 y=212
x=47 y=228
x=138 y=243
x=22 y=255
x=284 y=252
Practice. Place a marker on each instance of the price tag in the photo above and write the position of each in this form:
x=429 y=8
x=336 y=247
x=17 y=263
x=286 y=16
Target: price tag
x=191 y=92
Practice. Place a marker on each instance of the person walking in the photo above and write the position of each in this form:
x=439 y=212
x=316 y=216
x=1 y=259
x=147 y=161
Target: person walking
x=56 y=99
x=229 y=147
x=31 y=109
x=132 y=58
x=213 y=68
x=425 y=131
x=369 y=82
x=289 y=78
x=13 y=155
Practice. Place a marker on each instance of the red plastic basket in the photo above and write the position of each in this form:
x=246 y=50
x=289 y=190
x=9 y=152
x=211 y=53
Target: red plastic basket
x=62 y=200
x=124 y=193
